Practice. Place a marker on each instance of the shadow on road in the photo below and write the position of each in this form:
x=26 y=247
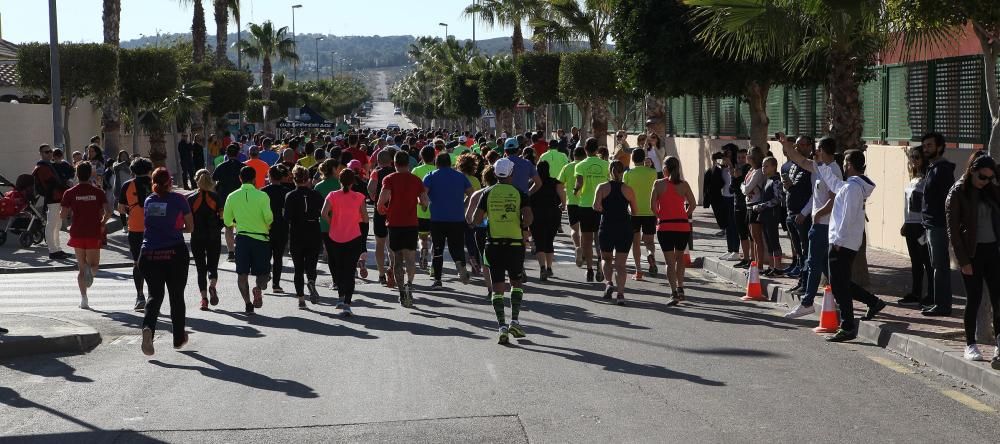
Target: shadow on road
x=229 y=373
x=11 y=398
x=616 y=365
x=385 y=324
x=48 y=366
x=302 y=324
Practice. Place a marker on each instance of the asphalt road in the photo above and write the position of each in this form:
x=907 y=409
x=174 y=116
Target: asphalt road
x=382 y=115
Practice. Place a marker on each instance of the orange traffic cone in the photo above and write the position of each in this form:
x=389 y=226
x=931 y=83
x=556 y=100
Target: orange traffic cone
x=829 y=319
x=753 y=285
x=687 y=259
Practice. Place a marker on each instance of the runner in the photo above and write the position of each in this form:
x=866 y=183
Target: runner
x=227 y=180
x=616 y=202
x=480 y=229
x=546 y=206
x=130 y=202
x=328 y=183
x=555 y=158
x=567 y=176
x=424 y=215
x=278 y=235
x=302 y=212
x=164 y=257
x=509 y=215
x=259 y=166
x=641 y=179
x=346 y=212
x=401 y=219
x=590 y=173
x=384 y=169
x=468 y=164
x=674 y=203
x=87 y=205
x=447 y=190
x=248 y=211
x=206 y=210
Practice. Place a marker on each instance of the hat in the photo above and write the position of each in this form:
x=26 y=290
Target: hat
x=355 y=165
x=503 y=167
x=462 y=139
x=511 y=144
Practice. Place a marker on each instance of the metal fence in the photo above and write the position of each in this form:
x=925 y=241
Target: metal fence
x=898 y=105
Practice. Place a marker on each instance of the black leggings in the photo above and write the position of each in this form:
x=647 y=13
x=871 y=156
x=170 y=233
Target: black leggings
x=769 y=227
x=343 y=260
x=305 y=255
x=920 y=261
x=984 y=268
x=165 y=268
x=452 y=233
x=206 y=259
x=544 y=234
x=278 y=241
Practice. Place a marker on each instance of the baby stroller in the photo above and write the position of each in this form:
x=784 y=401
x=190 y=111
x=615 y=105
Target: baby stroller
x=18 y=213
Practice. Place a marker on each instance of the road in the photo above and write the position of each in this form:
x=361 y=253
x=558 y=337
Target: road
x=382 y=115
x=714 y=370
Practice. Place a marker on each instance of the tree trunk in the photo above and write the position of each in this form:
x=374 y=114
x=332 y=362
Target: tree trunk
x=111 y=111
x=518 y=126
x=991 y=50
x=842 y=89
x=586 y=110
x=65 y=128
x=599 y=122
x=759 y=121
x=505 y=118
x=265 y=79
x=542 y=119
x=135 y=131
x=656 y=116
x=198 y=32
x=157 y=146
x=221 y=28
x=517 y=42
x=539 y=42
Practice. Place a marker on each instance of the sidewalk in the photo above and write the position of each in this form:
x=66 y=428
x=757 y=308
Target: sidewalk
x=15 y=259
x=37 y=334
x=936 y=342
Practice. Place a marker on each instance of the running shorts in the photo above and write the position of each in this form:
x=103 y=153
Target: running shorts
x=253 y=256
x=86 y=243
x=402 y=238
x=505 y=260
x=673 y=240
x=423 y=226
x=135 y=244
x=573 y=212
x=611 y=240
x=378 y=225
x=644 y=224
x=590 y=220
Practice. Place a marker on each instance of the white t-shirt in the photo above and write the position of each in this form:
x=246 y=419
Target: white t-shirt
x=821 y=194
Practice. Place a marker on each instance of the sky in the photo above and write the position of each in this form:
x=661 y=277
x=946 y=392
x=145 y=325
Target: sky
x=80 y=20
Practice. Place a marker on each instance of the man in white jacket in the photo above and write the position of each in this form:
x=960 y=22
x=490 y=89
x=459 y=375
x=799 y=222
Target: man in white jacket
x=847 y=228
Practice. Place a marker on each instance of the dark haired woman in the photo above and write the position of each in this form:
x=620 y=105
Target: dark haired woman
x=301 y=210
x=913 y=230
x=164 y=257
x=616 y=203
x=973 y=215
x=276 y=190
x=673 y=203
x=546 y=205
x=89 y=208
x=206 y=239
x=345 y=211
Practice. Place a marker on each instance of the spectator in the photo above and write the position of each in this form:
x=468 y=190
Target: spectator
x=67 y=172
x=50 y=185
x=797 y=183
x=973 y=215
x=623 y=152
x=913 y=231
x=187 y=162
x=197 y=153
x=753 y=189
x=655 y=153
x=713 y=185
x=940 y=177
x=771 y=213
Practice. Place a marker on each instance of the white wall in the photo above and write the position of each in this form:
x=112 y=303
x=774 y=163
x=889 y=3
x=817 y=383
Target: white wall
x=25 y=126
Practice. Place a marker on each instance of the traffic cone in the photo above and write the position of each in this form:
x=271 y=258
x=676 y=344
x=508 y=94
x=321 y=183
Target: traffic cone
x=829 y=319
x=687 y=259
x=753 y=285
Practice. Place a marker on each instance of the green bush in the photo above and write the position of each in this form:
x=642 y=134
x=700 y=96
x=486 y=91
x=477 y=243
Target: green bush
x=538 y=77
x=146 y=76
x=229 y=91
x=498 y=89
x=83 y=68
x=587 y=76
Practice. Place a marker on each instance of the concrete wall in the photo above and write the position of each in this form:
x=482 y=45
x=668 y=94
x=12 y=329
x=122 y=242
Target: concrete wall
x=886 y=167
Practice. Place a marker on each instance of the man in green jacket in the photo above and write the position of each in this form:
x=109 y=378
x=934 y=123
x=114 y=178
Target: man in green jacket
x=249 y=211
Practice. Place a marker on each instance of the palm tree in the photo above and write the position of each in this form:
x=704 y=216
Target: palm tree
x=182 y=109
x=846 y=36
x=506 y=13
x=266 y=43
x=111 y=111
x=223 y=8
x=199 y=33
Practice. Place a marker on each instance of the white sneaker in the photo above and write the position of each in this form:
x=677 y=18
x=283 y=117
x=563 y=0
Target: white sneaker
x=800 y=311
x=83 y=303
x=733 y=257
x=972 y=353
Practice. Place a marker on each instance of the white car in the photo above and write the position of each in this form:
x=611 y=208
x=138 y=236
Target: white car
x=392 y=126
x=397 y=112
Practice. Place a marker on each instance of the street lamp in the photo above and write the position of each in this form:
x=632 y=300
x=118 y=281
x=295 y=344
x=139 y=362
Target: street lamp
x=445 y=31
x=295 y=64
x=317 y=57
x=333 y=60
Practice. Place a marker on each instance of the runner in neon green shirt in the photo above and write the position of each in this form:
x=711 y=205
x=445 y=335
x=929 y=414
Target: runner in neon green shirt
x=249 y=210
x=424 y=214
x=568 y=178
x=641 y=179
x=590 y=173
x=556 y=159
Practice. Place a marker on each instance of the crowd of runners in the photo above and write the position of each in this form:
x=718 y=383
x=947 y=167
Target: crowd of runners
x=491 y=201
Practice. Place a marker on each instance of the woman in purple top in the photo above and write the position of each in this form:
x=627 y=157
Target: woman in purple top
x=164 y=257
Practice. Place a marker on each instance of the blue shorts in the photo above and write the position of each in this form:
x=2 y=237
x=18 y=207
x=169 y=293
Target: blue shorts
x=253 y=256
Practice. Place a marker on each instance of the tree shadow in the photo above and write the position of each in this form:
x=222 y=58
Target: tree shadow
x=616 y=365
x=566 y=312
x=386 y=324
x=482 y=323
x=134 y=320
x=49 y=366
x=229 y=373
x=302 y=324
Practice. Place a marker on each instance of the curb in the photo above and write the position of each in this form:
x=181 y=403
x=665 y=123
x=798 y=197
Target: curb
x=85 y=339
x=13 y=270
x=924 y=350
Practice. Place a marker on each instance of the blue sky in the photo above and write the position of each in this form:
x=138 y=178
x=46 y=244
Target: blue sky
x=80 y=20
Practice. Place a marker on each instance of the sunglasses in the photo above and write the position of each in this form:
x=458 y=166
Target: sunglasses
x=916 y=157
x=989 y=178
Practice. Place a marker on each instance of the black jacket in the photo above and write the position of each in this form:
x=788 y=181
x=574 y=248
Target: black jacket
x=940 y=177
x=713 y=187
x=798 y=195
x=277 y=193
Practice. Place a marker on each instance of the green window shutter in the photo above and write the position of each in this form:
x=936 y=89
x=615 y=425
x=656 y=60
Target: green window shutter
x=676 y=115
x=743 y=127
x=918 y=97
x=959 y=99
x=821 y=115
x=898 y=117
x=728 y=122
x=793 y=110
x=872 y=107
x=690 y=116
x=776 y=109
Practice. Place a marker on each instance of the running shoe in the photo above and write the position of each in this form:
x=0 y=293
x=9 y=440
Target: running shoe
x=140 y=305
x=515 y=330
x=402 y=295
x=542 y=275
x=347 y=311
x=277 y=289
x=258 y=298
x=843 y=336
x=147 y=341
x=590 y=275
x=408 y=291
x=302 y=303
x=204 y=304
x=340 y=305
x=504 y=338
x=313 y=294
x=972 y=353
x=180 y=344
x=608 y=291
x=88 y=277
x=231 y=257
x=249 y=309
x=674 y=299
x=652 y=265
x=436 y=285
x=579 y=258
x=548 y=271
x=362 y=269
x=390 y=279
x=382 y=280
x=800 y=311
x=680 y=294
x=83 y=303
x=621 y=299
x=214 y=295
x=637 y=276
x=463 y=274
x=600 y=274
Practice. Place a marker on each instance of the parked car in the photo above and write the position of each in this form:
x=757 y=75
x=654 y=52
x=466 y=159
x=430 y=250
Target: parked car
x=392 y=126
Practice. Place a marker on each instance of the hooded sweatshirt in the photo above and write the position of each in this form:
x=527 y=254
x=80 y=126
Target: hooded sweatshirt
x=847 y=220
x=940 y=177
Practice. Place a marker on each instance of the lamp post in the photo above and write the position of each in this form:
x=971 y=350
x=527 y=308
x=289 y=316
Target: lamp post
x=445 y=31
x=57 y=130
x=295 y=64
x=317 y=57
x=333 y=60
x=474 y=3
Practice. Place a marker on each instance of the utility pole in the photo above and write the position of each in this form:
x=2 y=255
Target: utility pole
x=295 y=64
x=474 y=3
x=317 y=57
x=445 y=31
x=56 y=95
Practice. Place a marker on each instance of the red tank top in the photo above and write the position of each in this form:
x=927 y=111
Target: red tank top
x=670 y=210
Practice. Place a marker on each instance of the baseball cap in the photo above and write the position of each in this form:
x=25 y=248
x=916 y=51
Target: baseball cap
x=503 y=167
x=462 y=139
x=355 y=165
x=511 y=144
